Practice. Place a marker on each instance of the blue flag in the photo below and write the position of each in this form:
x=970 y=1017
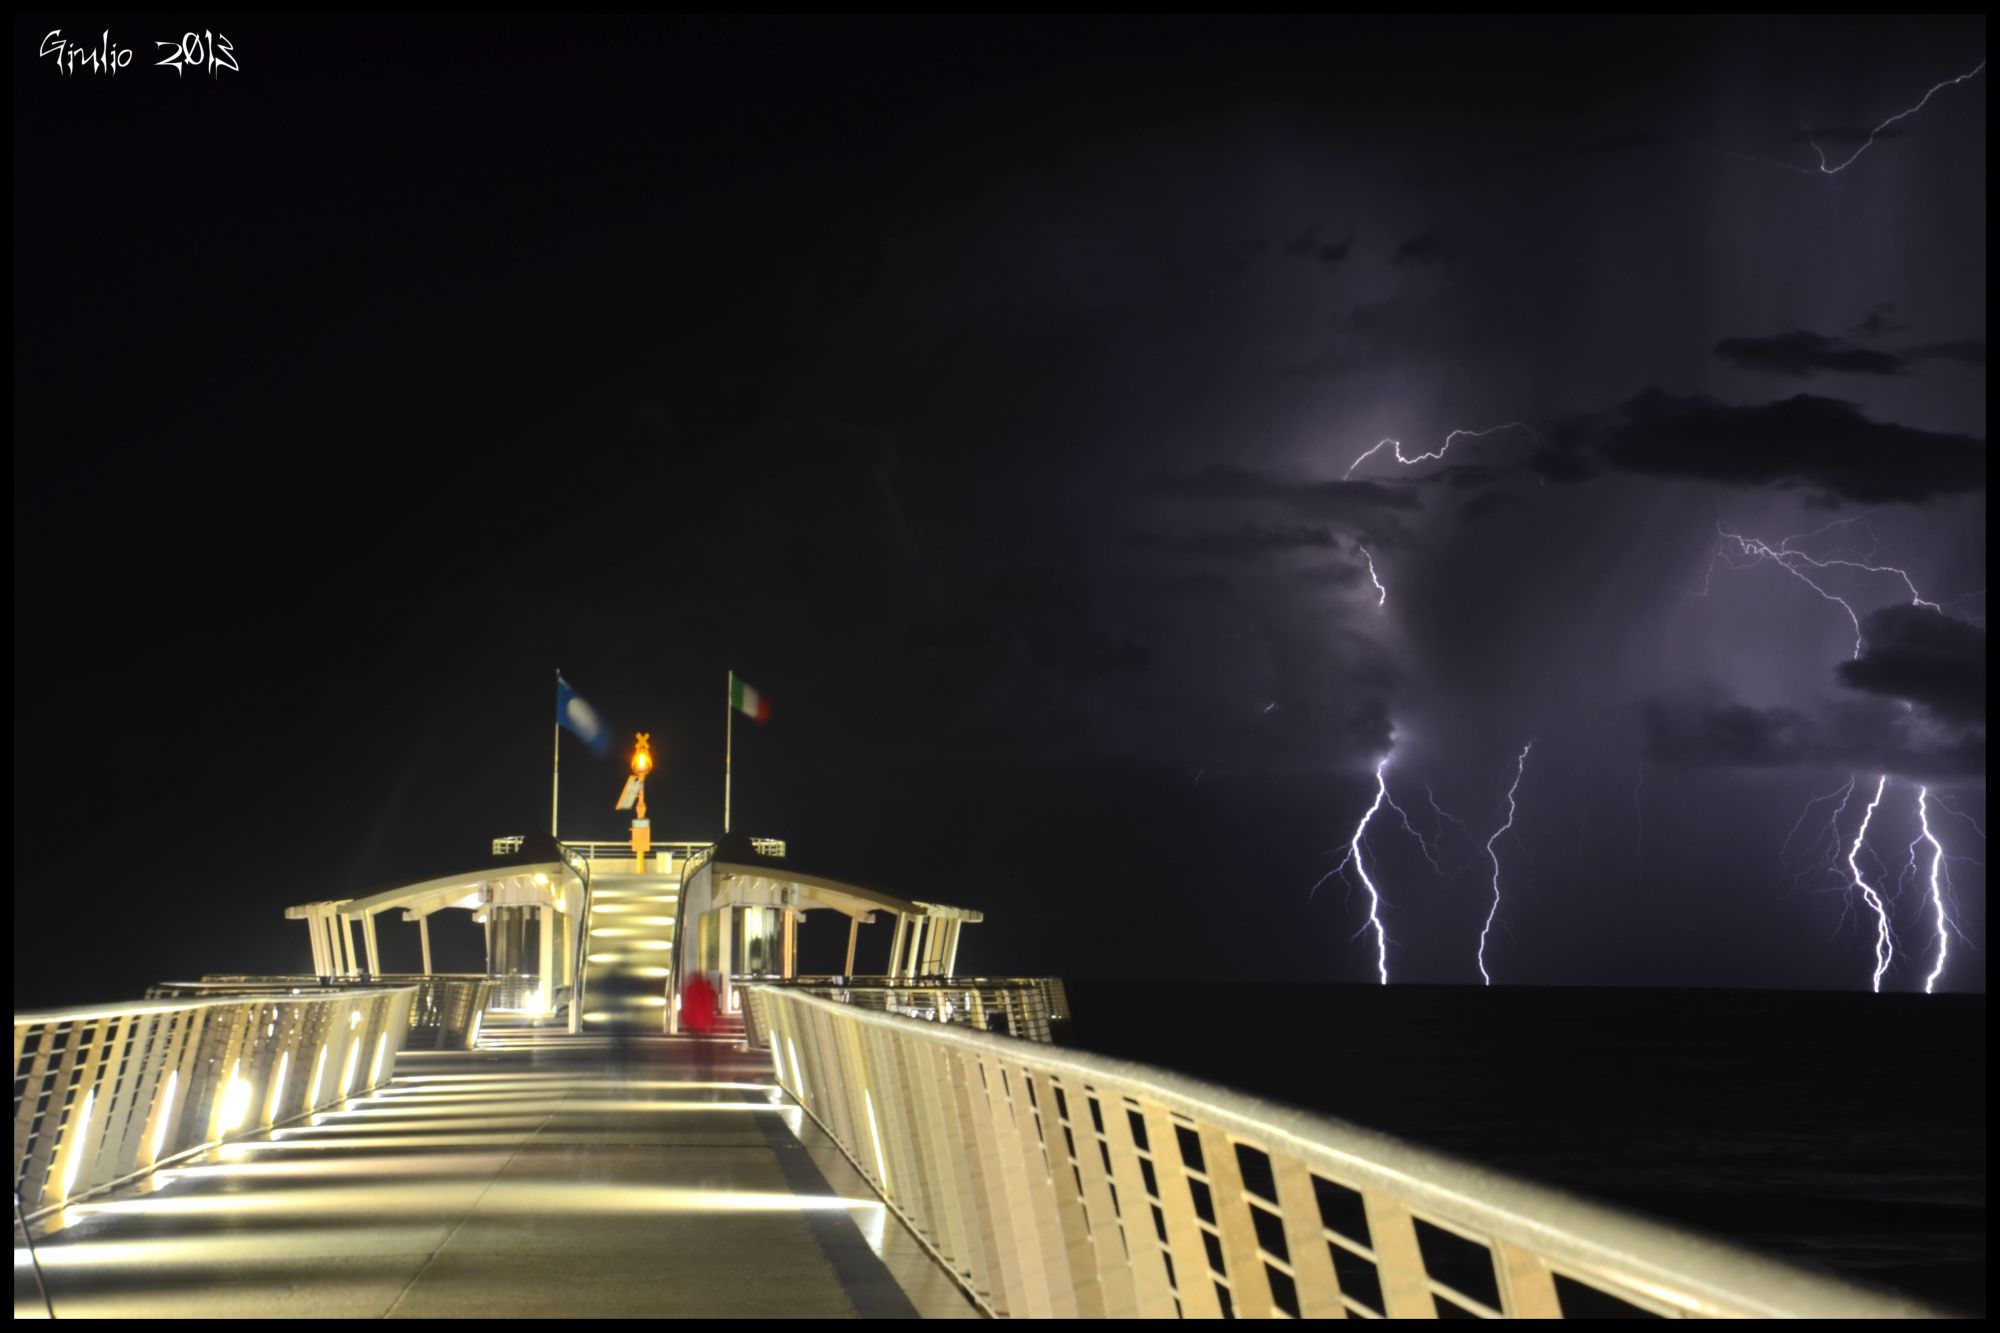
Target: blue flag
x=581 y=718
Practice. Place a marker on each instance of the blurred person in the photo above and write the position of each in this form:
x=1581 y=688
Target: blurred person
x=698 y=1020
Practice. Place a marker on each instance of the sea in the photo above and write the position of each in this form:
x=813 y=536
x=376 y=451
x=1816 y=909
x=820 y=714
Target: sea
x=1843 y=1132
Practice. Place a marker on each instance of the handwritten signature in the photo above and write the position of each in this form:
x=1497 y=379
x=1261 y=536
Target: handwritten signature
x=194 y=50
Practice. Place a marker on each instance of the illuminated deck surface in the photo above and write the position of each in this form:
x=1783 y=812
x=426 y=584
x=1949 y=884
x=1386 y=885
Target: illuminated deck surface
x=538 y=1180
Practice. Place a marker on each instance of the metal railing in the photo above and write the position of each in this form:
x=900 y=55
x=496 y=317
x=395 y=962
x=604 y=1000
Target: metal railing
x=515 y=992
x=104 y=1095
x=444 y=1013
x=694 y=853
x=1024 y=1007
x=1057 y=1183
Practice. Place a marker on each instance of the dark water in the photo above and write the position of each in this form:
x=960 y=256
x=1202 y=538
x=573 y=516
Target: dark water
x=1846 y=1132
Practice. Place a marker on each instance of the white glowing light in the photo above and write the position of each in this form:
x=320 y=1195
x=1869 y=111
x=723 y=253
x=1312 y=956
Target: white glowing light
x=1439 y=452
x=1361 y=868
x=1937 y=894
x=1520 y=767
x=275 y=1103
x=75 y=1144
x=1885 y=948
x=1382 y=600
x=875 y=1136
x=375 y=1068
x=1834 y=170
x=235 y=1101
x=1795 y=563
x=166 y=1112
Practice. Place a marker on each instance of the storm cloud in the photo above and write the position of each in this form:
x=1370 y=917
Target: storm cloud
x=1705 y=728
x=1823 y=446
x=1923 y=657
x=1803 y=354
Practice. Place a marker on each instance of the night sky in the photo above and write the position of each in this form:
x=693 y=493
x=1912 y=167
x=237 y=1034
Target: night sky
x=989 y=395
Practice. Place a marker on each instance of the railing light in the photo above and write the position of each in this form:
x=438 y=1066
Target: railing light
x=75 y=1143
x=235 y=1101
x=275 y=1102
x=875 y=1135
x=166 y=1112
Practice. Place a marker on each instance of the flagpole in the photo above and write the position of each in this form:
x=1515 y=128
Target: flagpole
x=555 y=767
x=728 y=750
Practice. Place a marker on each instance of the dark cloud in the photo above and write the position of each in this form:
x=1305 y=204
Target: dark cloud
x=1802 y=353
x=1821 y=445
x=1965 y=351
x=1704 y=728
x=1337 y=252
x=1923 y=657
x=1701 y=732
x=1879 y=320
x=1227 y=481
x=1424 y=249
x=1252 y=541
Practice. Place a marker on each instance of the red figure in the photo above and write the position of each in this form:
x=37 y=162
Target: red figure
x=698 y=1006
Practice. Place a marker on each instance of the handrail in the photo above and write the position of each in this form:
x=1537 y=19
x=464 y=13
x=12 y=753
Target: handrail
x=1059 y=1183
x=1025 y=1007
x=103 y=1094
x=445 y=1013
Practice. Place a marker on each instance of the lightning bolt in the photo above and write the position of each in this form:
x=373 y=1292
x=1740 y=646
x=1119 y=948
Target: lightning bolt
x=1430 y=847
x=1373 y=578
x=1832 y=832
x=1828 y=169
x=1520 y=767
x=1797 y=563
x=1937 y=893
x=1960 y=814
x=1361 y=868
x=1885 y=947
x=1406 y=460
x=1443 y=814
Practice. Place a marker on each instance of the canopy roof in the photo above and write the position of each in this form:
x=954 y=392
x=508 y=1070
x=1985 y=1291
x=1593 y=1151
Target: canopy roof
x=772 y=884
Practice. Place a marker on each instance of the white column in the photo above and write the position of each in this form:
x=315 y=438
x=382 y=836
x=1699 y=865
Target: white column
x=725 y=957
x=853 y=934
x=545 y=987
x=368 y=941
x=916 y=944
x=895 y=968
x=319 y=949
x=951 y=950
x=791 y=955
x=424 y=937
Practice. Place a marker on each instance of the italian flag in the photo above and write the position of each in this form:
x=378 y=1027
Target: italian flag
x=747 y=701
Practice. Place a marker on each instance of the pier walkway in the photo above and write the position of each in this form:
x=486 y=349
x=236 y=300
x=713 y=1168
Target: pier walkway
x=533 y=1177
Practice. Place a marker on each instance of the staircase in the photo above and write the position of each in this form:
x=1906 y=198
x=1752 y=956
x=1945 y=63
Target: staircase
x=628 y=959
